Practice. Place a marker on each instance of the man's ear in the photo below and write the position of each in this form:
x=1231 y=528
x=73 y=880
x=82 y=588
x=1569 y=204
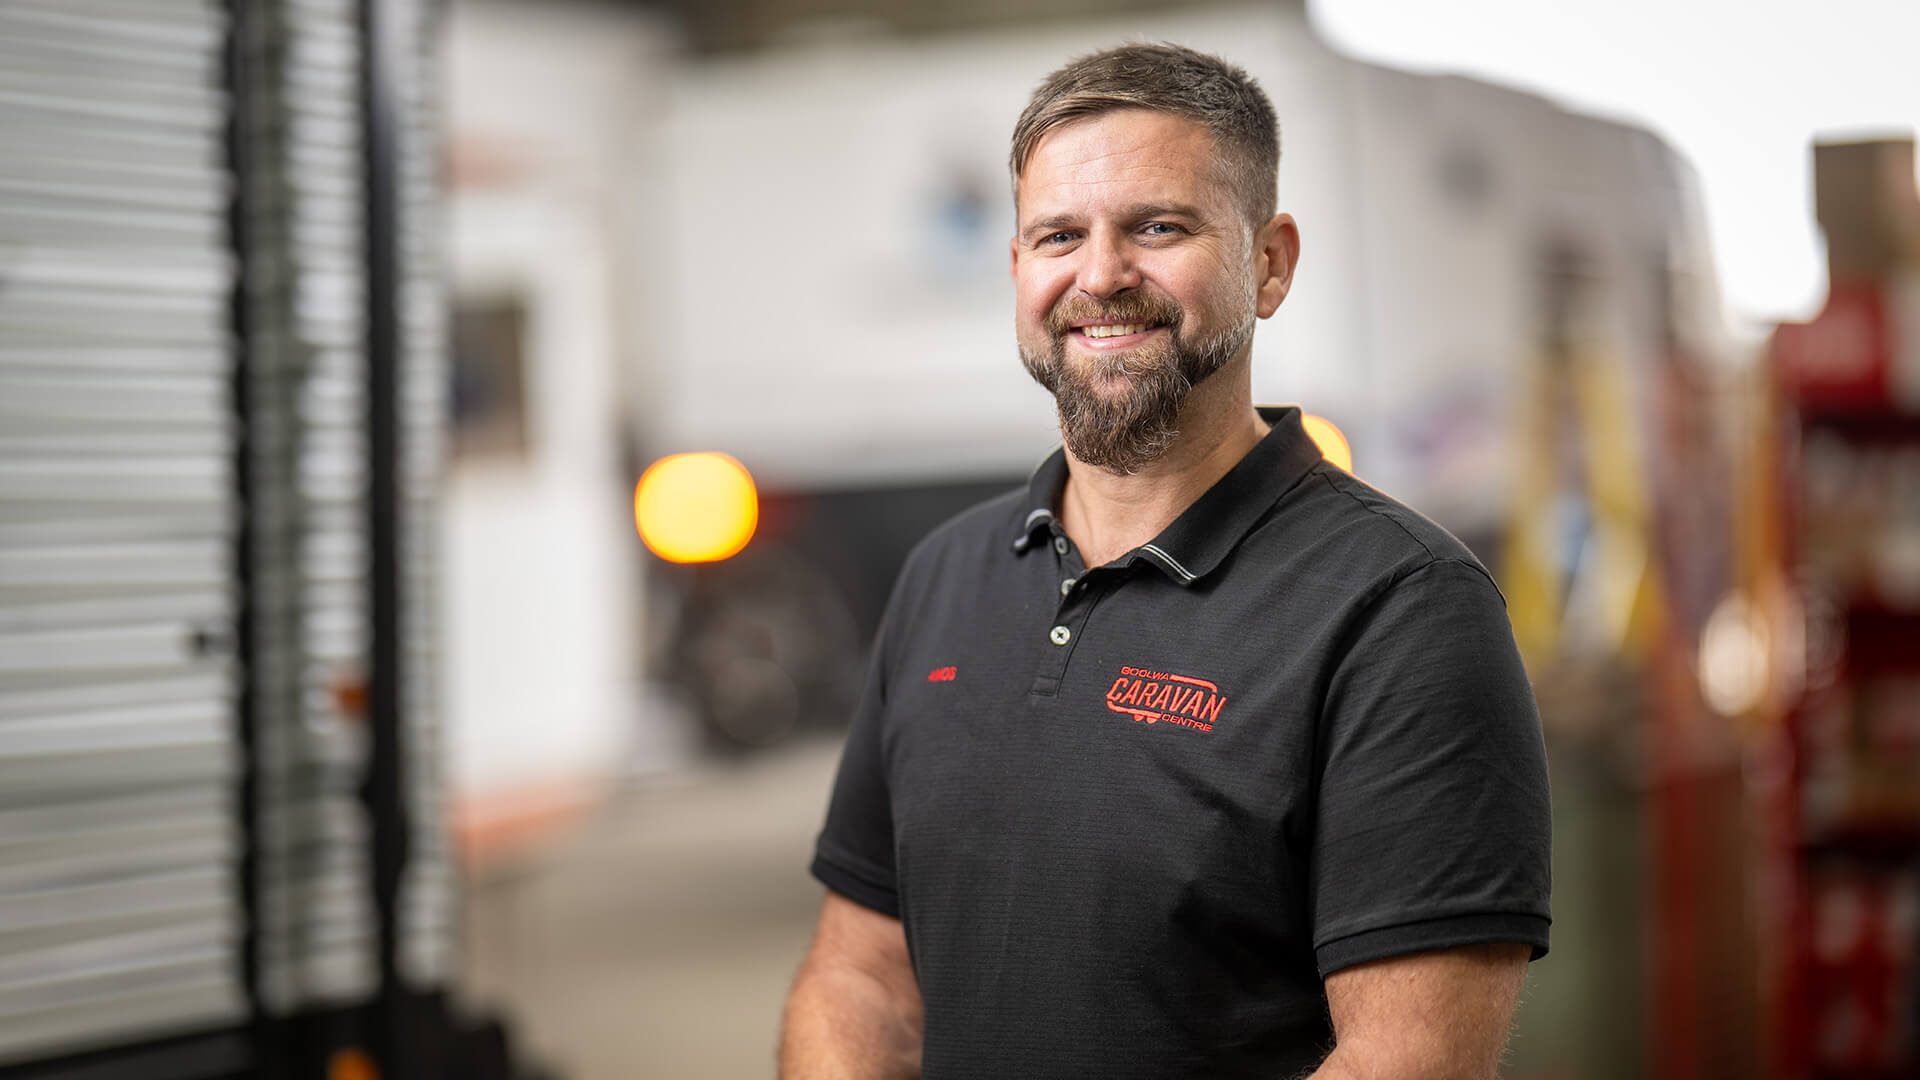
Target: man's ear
x=1013 y=256
x=1276 y=251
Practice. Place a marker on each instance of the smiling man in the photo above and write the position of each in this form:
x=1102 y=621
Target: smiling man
x=1196 y=757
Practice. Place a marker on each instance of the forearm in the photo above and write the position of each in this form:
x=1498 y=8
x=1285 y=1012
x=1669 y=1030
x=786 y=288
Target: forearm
x=1333 y=1068
x=1439 y=1015
x=1338 y=1066
x=1356 y=1066
x=842 y=1024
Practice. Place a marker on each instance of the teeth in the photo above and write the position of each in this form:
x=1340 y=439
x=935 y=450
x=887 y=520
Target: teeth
x=1114 y=331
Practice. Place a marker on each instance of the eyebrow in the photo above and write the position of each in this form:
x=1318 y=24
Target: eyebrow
x=1138 y=212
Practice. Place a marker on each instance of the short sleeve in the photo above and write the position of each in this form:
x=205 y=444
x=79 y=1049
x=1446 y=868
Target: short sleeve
x=1433 y=825
x=854 y=855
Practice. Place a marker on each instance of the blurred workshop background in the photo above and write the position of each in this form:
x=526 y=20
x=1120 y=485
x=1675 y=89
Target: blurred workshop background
x=453 y=454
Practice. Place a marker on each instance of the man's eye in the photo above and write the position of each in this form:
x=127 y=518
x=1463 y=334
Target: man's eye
x=1059 y=238
x=1159 y=228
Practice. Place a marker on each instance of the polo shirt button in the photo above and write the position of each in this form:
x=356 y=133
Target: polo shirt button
x=1066 y=586
x=1060 y=544
x=1060 y=635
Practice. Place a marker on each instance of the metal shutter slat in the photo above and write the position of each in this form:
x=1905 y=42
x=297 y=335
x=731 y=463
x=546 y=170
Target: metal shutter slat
x=118 y=915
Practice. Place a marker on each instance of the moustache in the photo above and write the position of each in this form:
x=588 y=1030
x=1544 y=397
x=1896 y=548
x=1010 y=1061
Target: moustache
x=1126 y=308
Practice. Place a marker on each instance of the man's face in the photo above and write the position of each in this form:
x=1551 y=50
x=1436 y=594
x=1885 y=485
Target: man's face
x=1133 y=278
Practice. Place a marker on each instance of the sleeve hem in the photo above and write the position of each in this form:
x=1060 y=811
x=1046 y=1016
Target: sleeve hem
x=854 y=886
x=1429 y=934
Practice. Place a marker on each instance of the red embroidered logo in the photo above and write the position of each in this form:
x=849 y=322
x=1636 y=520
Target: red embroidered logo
x=1152 y=696
x=943 y=674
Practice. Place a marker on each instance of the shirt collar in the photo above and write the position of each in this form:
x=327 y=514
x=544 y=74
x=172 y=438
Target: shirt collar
x=1208 y=531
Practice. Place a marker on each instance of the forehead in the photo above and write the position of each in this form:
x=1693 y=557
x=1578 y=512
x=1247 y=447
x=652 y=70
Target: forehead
x=1126 y=157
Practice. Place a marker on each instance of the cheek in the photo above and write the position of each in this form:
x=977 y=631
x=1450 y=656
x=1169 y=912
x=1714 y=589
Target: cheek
x=1223 y=294
x=1037 y=291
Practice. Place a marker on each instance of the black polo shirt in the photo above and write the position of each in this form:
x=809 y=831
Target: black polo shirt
x=1131 y=815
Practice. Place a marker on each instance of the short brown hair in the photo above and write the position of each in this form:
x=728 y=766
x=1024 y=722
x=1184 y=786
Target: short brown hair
x=1173 y=79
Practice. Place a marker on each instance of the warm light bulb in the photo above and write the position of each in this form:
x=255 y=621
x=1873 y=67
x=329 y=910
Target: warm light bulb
x=696 y=507
x=351 y=1063
x=1734 y=659
x=1333 y=445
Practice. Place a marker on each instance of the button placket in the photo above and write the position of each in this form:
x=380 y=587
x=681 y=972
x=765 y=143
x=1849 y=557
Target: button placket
x=1064 y=634
x=1068 y=561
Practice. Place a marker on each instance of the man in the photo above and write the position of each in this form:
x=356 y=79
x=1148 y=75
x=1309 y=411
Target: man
x=1197 y=757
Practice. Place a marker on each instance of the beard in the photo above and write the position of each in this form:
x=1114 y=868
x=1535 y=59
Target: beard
x=1121 y=410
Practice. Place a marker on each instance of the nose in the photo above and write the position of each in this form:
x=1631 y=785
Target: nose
x=1109 y=266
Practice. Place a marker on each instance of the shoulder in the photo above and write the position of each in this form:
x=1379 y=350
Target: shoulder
x=960 y=553
x=1364 y=539
x=969 y=541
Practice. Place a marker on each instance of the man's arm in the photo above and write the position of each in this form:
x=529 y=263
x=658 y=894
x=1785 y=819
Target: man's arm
x=854 y=1012
x=1439 y=1015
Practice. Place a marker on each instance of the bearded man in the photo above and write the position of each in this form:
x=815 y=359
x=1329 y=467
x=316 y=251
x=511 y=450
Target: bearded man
x=1197 y=757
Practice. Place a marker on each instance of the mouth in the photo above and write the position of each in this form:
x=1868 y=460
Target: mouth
x=1112 y=335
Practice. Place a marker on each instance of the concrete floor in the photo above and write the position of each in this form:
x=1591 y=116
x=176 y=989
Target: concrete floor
x=658 y=937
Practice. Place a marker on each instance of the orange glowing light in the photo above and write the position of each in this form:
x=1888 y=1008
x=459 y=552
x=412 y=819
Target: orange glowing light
x=351 y=1064
x=1333 y=445
x=696 y=507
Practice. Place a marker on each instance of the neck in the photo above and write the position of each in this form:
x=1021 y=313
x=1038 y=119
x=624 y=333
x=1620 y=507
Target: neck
x=1108 y=514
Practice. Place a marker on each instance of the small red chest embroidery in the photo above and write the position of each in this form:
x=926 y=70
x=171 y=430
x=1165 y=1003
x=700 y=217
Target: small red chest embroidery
x=1152 y=696
x=943 y=674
